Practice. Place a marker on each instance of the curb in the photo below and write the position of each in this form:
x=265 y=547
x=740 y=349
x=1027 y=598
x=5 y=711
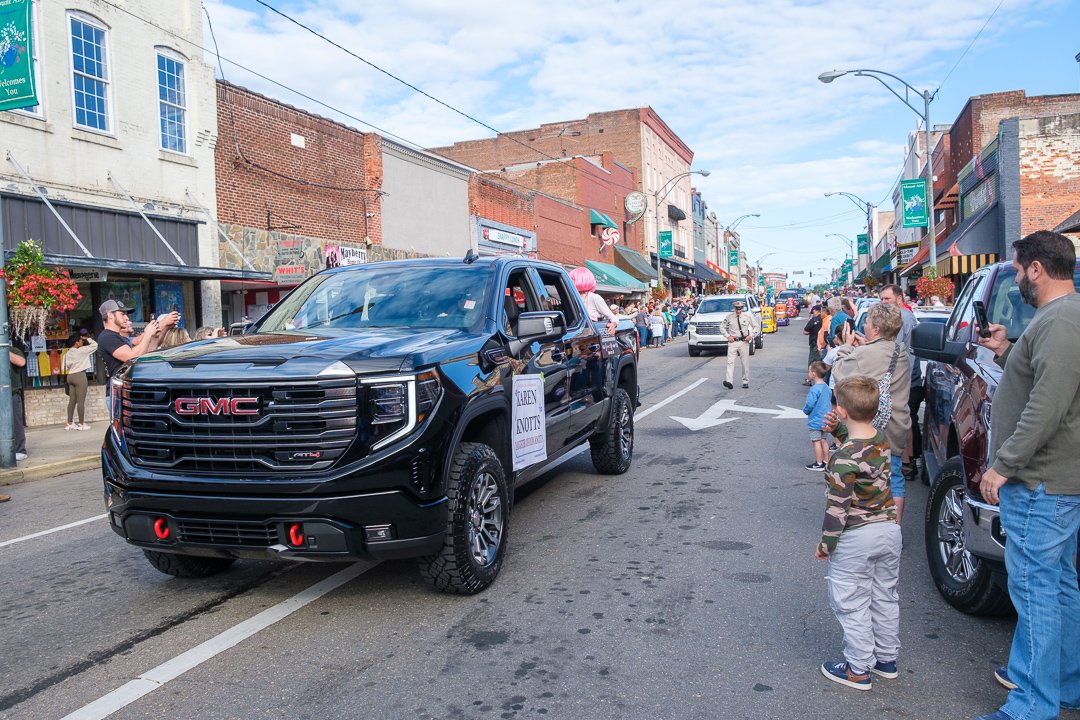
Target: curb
x=48 y=470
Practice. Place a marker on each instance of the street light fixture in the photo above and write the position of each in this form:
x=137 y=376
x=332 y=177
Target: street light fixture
x=927 y=96
x=859 y=203
x=851 y=251
x=730 y=231
x=658 y=197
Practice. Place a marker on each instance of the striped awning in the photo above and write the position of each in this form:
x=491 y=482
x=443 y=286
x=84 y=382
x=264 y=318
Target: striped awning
x=963 y=264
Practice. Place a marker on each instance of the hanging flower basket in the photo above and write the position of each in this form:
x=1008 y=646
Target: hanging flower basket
x=930 y=285
x=35 y=292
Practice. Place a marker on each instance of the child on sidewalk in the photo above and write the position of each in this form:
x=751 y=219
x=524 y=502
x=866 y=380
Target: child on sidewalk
x=818 y=404
x=861 y=540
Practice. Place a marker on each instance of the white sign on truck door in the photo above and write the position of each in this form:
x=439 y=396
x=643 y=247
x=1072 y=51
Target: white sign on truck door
x=528 y=432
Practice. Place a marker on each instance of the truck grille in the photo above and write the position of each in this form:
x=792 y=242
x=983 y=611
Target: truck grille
x=240 y=428
x=224 y=532
x=708 y=329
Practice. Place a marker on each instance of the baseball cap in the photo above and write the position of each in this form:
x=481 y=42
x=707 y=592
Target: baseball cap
x=112 y=306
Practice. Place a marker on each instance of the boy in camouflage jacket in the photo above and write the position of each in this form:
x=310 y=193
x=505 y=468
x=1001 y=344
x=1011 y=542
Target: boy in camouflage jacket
x=861 y=540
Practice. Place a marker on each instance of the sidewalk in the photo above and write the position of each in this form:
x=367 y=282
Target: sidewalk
x=54 y=451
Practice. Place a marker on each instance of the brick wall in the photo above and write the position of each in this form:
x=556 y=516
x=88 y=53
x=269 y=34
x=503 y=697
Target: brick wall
x=501 y=203
x=1049 y=171
x=48 y=406
x=322 y=189
x=977 y=124
x=559 y=234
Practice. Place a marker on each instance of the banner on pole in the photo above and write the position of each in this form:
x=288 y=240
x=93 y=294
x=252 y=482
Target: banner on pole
x=666 y=247
x=864 y=244
x=17 y=86
x=915 y=207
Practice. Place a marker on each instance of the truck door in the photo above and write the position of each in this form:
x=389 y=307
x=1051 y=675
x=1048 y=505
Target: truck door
x=549 y=359
x=586 y=365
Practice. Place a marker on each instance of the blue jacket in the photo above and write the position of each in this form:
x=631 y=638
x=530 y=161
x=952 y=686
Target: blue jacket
x=818 y=404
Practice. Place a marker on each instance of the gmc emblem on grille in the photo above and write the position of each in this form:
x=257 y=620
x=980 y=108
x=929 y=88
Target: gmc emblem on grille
x=221 y=406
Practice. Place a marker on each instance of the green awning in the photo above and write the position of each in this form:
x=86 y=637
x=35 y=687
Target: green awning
x=636 y=264
x=881 y=264
x=611 y=279
x=599 y=218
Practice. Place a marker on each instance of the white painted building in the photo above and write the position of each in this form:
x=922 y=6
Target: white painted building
x=113 y=168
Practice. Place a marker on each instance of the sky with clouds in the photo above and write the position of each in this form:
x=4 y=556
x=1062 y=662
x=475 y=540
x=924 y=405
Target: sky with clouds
x=736 y=80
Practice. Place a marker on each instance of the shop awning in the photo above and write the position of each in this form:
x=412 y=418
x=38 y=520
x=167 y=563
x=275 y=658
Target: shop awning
x=636 y=264
x=963 y=264
x=149 y=268
x=675 y=213
x=707 y=274
x=881 y=265
x=977 y=235
x=1071 y=224
x=613 y=280
x=599 y=218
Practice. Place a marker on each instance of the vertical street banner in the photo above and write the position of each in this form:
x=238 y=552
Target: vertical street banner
x=528 y=433
x=915 y=206
x=17 y=86
x=864 y=244
x=666 y=247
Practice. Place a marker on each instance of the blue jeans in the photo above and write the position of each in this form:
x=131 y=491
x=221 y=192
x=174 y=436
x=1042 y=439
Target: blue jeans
x=1040 y=556
x=643 y=335
x=896 y=476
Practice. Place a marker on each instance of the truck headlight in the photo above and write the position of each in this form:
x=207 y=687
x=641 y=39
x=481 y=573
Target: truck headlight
x=396 y=405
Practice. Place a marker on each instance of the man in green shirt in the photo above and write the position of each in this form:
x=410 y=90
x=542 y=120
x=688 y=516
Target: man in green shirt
x=1034 y=437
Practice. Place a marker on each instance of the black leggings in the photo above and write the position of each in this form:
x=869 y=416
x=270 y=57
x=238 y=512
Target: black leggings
x=915 y=401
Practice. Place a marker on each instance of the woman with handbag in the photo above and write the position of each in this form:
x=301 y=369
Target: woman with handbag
x=884 y=359
x=75 y=363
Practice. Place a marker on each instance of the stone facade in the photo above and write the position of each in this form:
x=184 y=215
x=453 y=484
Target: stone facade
x=49 y=406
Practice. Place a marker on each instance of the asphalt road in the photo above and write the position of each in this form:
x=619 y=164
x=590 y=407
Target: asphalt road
x=686 y=588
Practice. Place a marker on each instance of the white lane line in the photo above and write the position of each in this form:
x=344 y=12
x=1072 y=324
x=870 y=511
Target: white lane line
x=174 y=668
x=77 y=523
x=665 y=401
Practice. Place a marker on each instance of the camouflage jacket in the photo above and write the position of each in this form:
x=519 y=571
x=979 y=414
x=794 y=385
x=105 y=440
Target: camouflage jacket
x=858 y=491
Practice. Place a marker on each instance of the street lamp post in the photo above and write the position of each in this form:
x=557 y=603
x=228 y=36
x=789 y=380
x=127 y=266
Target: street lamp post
x=859 y=203
x=851 y=252
x=658 y=197
x=729 y=231
x=927 y=96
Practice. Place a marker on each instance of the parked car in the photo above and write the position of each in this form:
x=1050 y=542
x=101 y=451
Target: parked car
x=704 y=328
x=965 y=543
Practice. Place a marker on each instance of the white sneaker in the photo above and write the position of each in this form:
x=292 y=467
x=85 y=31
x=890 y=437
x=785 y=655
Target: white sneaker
x=82 y=426
x=20 y=456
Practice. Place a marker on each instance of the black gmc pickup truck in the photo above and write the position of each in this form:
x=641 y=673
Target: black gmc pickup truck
x=370 y=414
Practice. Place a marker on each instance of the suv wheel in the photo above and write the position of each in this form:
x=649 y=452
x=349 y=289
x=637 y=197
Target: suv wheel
x=476 y=525
x=694 y=352
x=964 y=580
x=613 y=448
x=759 y=342
x=187 y=566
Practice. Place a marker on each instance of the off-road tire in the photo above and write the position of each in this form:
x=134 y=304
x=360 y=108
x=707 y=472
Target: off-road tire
x=964 y=580
x=759 y=341
x=455 y=568
x=187 y=566
x=694 y=352
x=613 y=447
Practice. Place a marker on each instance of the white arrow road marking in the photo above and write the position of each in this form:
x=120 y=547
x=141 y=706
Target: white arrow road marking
x=713 y=416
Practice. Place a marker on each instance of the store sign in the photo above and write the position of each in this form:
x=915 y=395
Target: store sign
x=915 y=208
x=341 y=255
x=609 y=236
x=502 y=237
x=666 y=246
x=635 y=204
x=905 y=253
x=17 y=86
x=864 y=244
x=87 y=275
x=289 y=267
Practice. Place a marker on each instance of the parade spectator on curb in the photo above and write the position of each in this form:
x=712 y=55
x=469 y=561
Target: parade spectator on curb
x=174 y=336
x=206 y=332
x=585 y=282
x=812 y=328
x=17 y=358
x=641 y=324
x=893 y=295
x=823 y=333
x=75 y=364
x=881 y=357
x=656 y=328
x=861 y=539
x=116 y=348
x=1034 y=433
x=818 y=404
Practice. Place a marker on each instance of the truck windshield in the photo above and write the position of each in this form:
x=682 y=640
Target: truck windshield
x=385 y=296
x=1007 y=308
x=718 y=305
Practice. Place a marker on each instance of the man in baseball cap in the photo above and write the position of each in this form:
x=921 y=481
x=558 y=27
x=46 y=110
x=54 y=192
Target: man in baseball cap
x=116 y=349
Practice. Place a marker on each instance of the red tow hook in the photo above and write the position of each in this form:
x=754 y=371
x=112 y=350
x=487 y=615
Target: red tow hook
x=161 y=528
x=296 y=535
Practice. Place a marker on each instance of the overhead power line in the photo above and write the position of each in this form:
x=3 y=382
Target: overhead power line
x=970 y=44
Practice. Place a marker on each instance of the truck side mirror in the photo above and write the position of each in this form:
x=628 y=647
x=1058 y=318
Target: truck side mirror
x=928 y=342
x=533 y=327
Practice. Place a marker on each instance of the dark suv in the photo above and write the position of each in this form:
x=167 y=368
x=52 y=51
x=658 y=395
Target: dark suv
x=379 y=411
x=965 y=543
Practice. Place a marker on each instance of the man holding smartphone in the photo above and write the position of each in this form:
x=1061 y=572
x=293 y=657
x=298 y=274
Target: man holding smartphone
x=1034 y=433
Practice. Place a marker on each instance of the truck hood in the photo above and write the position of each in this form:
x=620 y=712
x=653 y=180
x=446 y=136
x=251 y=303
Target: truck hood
x=302 y=353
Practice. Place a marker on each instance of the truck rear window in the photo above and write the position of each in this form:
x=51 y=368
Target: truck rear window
x=386 y=296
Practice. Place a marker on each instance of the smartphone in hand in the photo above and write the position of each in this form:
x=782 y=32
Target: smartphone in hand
x=981 y=318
